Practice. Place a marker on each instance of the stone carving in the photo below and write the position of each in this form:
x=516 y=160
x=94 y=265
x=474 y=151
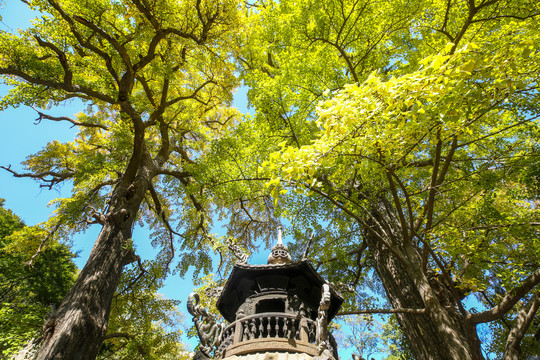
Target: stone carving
x=214 y=292
x=280 y=253
x=238 y=253
x=340 y=288
x=208 y=329
x=323 y=345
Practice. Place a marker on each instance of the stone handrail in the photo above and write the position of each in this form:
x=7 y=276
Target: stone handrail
x=278 y=331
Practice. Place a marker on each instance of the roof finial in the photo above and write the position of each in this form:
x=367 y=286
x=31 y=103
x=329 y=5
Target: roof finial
x=280 y=253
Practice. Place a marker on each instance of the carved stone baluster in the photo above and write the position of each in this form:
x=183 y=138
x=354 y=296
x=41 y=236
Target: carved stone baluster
x=303 y=330
x=268 y=326
x=261 y=328
x=277 y=326
x=238 y=333
x=311 y=334
x=230 y=333
x=245 y=325
x=253 y=328
x=285 y=328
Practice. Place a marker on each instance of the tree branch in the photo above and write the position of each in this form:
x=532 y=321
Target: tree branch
x=509 y=300
x=360 y=220
x=43 y=116
x=177 y=174
x=76 y=89
x=68 y=75
x=41 y=245
x=161 y=214
x=57 y=177
x=117 y=335
x=192 y=96
x=383 y=311
x=522 y=323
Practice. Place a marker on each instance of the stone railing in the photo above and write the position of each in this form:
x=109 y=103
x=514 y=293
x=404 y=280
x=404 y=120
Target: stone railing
x=269 y=332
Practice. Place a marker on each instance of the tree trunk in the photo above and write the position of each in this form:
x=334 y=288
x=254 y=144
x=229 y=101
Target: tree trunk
x=441 y=333
x=77 y=329
x=521 y=324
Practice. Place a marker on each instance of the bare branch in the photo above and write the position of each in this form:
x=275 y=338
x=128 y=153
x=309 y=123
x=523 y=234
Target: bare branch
x=180 y=175
x=68 y=74
x=383 y=311
x=509 y=300
x=192 y=96
x=76 y=89
x=397 y=202
x=98 y=217
x=56 y=177
x=147 y=13
x=118 y=335
x=43 y=116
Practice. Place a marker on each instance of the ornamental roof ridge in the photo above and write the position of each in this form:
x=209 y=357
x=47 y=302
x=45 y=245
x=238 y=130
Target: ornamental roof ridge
x=280 y=252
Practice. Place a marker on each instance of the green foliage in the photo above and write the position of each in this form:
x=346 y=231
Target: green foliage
x=424 y=110
x=143 y=324
x=395 y=343
x=363 y=335
x=429 y=108
x=161 y=69
x=28 y=292
x=156 y=79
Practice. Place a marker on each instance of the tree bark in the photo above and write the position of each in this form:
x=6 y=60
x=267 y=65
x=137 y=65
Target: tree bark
x=522 y=323
x=78 y=327
x=441 y=333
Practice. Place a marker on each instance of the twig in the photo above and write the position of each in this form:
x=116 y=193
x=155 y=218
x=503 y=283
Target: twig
x=41 y=245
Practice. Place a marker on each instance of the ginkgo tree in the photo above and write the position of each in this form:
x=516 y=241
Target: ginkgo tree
x=411 y=129
x=400 y=137
x=156 y=79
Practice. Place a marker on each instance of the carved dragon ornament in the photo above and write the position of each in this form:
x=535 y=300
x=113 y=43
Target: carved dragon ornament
x=208 y=329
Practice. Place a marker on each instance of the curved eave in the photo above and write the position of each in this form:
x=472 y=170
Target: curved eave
x=244 y=274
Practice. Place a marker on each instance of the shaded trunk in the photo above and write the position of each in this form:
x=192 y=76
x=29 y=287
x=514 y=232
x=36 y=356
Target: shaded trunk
x=441 y=333
x=77 y=329
x=521 y=324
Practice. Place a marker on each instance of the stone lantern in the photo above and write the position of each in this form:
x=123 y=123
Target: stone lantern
x=278 y=311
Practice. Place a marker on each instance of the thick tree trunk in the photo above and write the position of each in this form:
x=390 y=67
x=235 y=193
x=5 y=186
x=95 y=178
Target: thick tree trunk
x=77 y=329
x=441 y=333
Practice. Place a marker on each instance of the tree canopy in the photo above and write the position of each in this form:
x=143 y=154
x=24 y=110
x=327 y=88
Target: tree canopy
x=403 y=134
x=411 y=130
x=156 y=78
